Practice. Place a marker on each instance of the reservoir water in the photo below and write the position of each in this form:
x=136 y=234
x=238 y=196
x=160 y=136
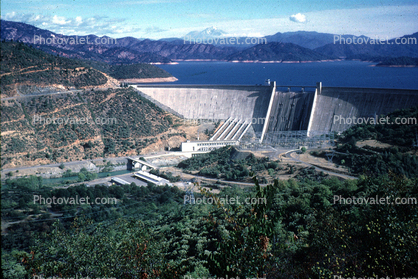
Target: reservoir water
x=338 y=73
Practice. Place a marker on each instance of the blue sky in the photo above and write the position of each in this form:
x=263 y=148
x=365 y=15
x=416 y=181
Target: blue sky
x=175 y=18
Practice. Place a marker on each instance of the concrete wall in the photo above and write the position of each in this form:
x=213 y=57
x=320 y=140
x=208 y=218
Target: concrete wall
x=290 y=111
x=218 y=102
x=356 y=102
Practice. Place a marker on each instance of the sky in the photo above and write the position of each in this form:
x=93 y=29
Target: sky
x=157 y=19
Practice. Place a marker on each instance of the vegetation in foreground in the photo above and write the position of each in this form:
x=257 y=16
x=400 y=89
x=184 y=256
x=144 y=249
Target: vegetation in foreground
x=228 y=163
x=399 y=157
x=296 y=230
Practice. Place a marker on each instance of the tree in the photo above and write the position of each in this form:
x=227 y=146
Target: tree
x=244 y=249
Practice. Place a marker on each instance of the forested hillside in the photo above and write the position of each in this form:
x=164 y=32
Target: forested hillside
x=114 y=122
x=400 y=154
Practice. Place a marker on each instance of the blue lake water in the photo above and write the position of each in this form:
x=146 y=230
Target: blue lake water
x=339 y=73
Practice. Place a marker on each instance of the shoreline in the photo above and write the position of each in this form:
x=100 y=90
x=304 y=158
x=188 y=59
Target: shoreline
x=395 y=66
x=161 y=63
x=253 y=61
x=283 y=62
x=148 y=80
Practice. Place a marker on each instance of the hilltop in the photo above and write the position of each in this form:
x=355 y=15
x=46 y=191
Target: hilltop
x=23 y=66
x=27 y=70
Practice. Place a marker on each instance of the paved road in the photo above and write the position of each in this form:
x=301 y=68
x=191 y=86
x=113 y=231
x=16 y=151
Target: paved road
x=66 y=163
x=288 y=155
x=224 y=181
x=20 y=95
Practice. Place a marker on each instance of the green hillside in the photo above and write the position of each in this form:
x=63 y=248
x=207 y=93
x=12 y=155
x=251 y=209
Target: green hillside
x=24 y=65
x=120 y=122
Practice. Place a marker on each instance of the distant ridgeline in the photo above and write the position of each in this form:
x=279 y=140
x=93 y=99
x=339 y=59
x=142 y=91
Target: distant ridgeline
x=25 y=69
x=281 y=47
x=274 y=110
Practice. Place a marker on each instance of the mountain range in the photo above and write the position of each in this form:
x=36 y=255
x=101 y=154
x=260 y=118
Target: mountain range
x=289 y=46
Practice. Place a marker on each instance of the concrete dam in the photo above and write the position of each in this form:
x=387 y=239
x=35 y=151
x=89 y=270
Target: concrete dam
x=267 y=112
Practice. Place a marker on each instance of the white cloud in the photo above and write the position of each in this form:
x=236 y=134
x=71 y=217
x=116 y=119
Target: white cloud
x=60 y=20
x=298 y=18
x=97 y=25
x=79 y=20
x=9 y=16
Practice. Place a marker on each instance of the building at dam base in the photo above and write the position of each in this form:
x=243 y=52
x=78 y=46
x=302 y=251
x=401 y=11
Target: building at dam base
x=271 y=113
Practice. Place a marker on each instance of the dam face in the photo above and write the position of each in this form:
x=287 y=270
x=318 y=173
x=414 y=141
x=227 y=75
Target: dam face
x=356 y=102
x=212 y=102
x=273 y=112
